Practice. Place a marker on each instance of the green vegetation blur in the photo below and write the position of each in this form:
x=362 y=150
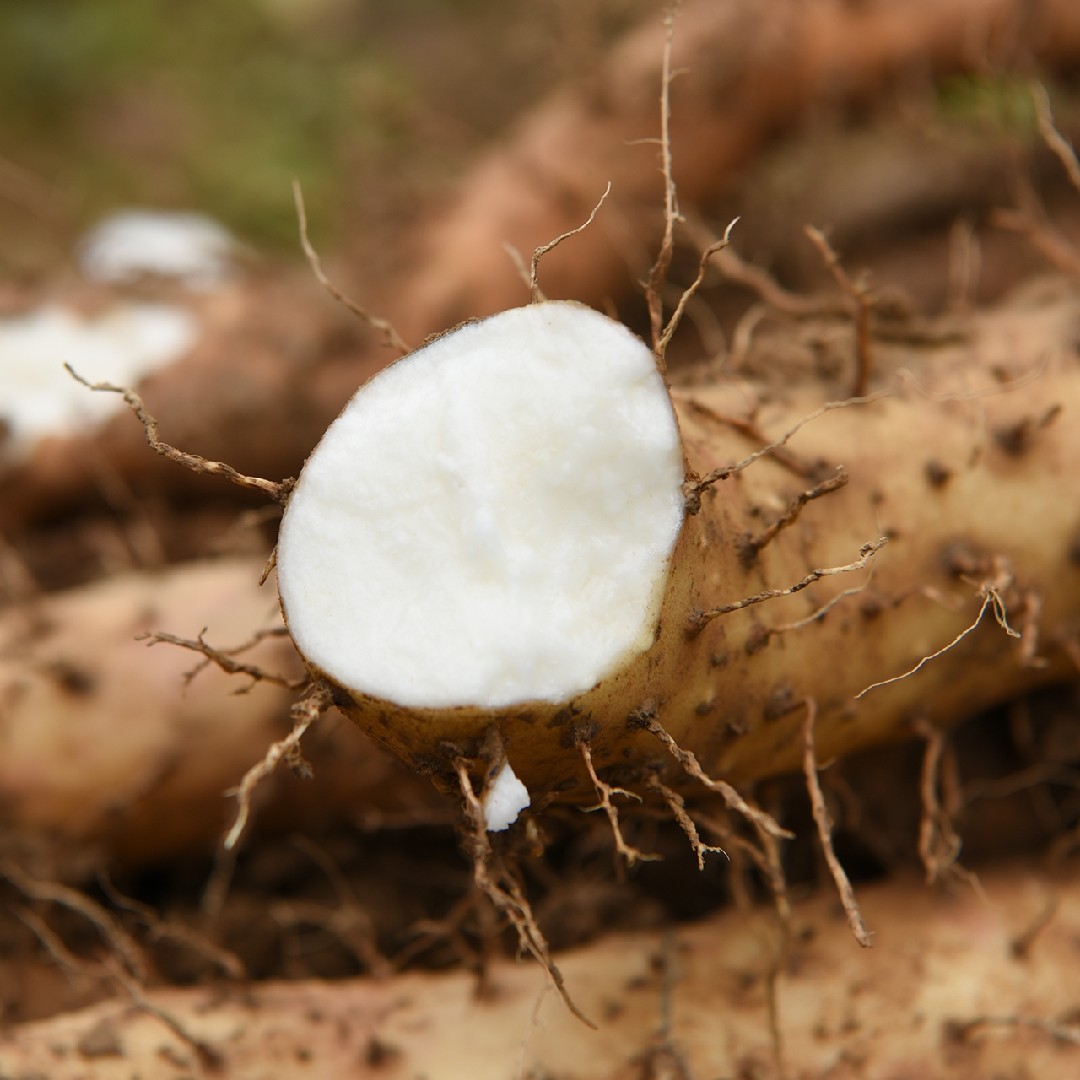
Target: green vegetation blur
x=217 y=105
x=213 y=105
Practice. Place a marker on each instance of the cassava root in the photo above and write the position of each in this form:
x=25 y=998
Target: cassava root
x=963 y=460
x=957 y=986
x=112 y=756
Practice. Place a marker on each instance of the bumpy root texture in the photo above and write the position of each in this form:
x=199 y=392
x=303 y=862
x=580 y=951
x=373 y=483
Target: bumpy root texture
x=949 y=461
x=927 y=472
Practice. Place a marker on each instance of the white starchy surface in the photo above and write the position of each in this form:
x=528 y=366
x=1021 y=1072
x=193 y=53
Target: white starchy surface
x=191 y=247
x=489 y=521
x=121 y=346
x=504 y=799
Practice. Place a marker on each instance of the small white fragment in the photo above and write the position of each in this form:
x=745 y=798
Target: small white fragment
x=506 y=796
x=190 y=247
x=121 y=346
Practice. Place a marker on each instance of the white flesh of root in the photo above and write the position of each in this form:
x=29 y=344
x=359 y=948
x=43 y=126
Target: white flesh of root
x=504 y=800
x=490 y=520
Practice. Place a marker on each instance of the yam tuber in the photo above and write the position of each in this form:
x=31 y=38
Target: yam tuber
x=496 y=555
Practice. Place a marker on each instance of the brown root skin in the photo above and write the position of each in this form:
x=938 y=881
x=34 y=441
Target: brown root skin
x=731 y=689
x=110 y=755
x=957 y=986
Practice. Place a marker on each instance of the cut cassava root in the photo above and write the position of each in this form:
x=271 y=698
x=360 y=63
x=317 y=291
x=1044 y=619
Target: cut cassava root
x=496 y=537
x=489 y=522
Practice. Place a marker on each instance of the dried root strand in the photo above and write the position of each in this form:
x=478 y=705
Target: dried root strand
x=773 y=869
x=758 y=280
x=661 y=345
x=677 y=805
x=654 y=286
x=991 y=600
x=122 y=945
x=824 y=829
x=124 y=964
x=742 y=336
x=224 y=658
x=765 y=823
x=817 y=615
x=767 y=861
x=1055 y=141
x=939 y=842
x=698 y=619
x=278 y=490
x=268 y=567
x=746 y=426
x=862 y=303
x=391 y=338
x=535 y=295
x=347 y=921
x=449 y=930
x=1043 y=238
x=73 y=967
x=695 y=485
x=209 y=1056
x=605 y=793
x=661 y=333
x=753 y=545
x=169 y=930
x=304 y=713
x=1029 y=218
x=503 y=889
